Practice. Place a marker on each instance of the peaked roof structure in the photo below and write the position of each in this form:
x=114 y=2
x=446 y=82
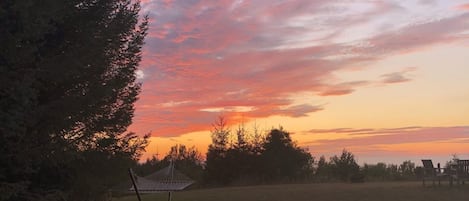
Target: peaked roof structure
x=168 y=173
x=164 y=180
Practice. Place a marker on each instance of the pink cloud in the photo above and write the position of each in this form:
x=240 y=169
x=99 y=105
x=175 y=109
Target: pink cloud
x=217 y=54
x=414 y=37
x=393 y=144
x=463 y=7
x=372 y=137
x=340 y=130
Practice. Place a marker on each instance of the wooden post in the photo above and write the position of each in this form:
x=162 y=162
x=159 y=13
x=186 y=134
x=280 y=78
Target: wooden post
x=135 y=185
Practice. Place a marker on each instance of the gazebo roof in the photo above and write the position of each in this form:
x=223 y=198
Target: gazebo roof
x=166 y=179
x=167 y=174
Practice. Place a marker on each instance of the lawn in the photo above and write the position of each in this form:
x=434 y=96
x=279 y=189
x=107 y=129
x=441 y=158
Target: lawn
x=387 y=191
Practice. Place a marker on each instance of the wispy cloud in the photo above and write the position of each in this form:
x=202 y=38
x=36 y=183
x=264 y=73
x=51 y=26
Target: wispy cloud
x=368 y=137
x=203 y=56
x=397 y=77
x=463 y=6
x=389 y=144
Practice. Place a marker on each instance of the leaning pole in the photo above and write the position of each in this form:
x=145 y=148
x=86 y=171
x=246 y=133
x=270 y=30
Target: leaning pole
x=135 y=185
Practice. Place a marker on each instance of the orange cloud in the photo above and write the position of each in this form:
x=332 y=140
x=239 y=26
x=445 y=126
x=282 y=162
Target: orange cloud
x=221 y=54
x=392 y=136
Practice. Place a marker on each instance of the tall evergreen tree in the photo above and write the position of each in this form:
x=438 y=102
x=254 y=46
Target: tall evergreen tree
x=323 y=170
x=216 y=161
x=345 y=166
x=68 y=84
x=283 y=159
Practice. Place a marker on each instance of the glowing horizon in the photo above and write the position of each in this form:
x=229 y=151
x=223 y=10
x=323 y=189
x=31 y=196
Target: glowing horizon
x=379 y=78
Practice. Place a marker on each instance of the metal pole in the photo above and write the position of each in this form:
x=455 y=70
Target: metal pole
x=171 y=167
x=135 y=185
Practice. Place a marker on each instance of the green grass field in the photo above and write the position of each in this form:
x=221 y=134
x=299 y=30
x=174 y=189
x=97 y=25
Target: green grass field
x=386 y=191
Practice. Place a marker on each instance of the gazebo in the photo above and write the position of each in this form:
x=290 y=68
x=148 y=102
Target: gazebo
x=167 y=179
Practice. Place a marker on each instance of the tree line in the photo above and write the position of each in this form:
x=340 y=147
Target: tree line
x=254 y=157
x=243 y=157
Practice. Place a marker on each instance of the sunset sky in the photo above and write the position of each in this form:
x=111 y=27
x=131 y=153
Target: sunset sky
x=387 y=80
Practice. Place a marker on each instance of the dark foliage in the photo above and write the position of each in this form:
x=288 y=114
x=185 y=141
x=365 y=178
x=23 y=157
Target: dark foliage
x=188 y=161
x=149 y=166
x=217 y=160
x=283 y=160
x=67 y=73
x=253 y=159
x=375 y=172
x=345 y=166
x=391 y=172
x=323 y=170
